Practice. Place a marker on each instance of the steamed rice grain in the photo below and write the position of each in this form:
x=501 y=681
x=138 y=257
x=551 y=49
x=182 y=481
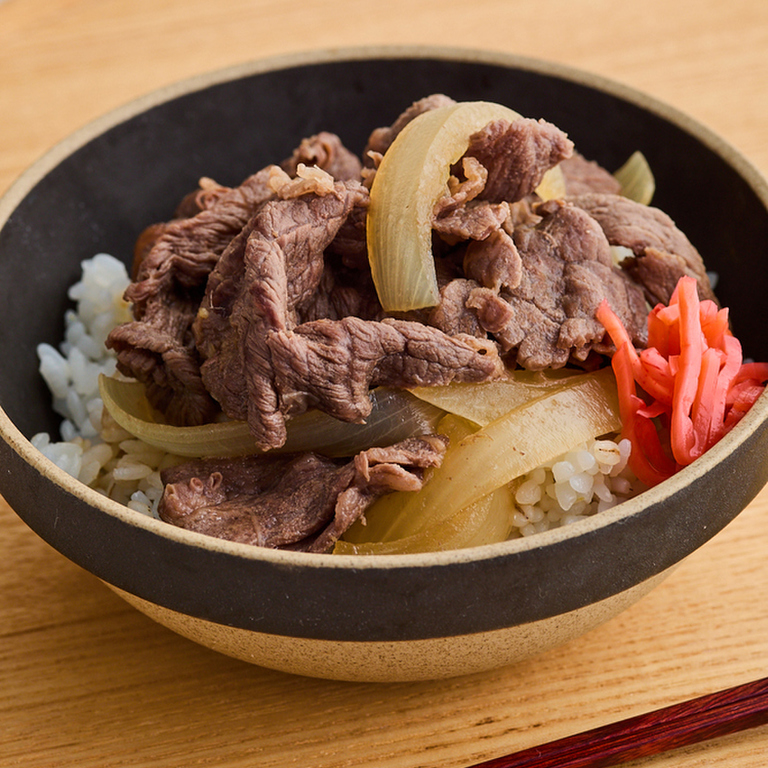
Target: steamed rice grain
x=93 y=448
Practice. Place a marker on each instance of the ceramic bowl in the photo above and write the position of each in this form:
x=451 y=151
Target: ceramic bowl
x=402 y=617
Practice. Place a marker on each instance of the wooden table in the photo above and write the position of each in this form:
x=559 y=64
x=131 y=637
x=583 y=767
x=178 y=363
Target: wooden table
x=86 y=681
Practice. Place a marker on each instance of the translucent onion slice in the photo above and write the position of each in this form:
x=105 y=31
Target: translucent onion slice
x=395 y=416
x=636 y=179
x=487 y=521
x=487 y=401
x=412 y=176
x=552 y=185
x=380 y=515
x=507 y=448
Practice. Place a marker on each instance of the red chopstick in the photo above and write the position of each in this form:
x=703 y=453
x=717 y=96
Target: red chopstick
x=706 y=717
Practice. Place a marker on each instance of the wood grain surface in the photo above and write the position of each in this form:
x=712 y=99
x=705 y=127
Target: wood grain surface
x=86 y=681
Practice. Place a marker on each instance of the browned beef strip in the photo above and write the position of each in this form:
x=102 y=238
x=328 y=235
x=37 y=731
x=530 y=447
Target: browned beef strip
x=172 y=263
x=517 y=154
x=303 y=501
x=186 y=252
x=350 y=243
x=159 y=351
x=331 y=365
x=565 y=270
x=475 y=221
x=275 y=264
x=326 y=151
x=342 y=291
x=207 y=194
x=452 y=315
x=381 y=138
x=536 y=291
x=662 y=253
x=157 y=348
x=583 y=176
x=494 y=262
x=503 y=165
x=459 y=216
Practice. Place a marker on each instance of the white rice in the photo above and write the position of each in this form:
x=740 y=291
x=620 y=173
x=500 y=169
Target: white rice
x=99 y=453
x=589 y=479
x=93 y=448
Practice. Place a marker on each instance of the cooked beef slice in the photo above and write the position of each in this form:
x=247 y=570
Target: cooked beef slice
x=350 y=243
x=583 y=176
x=160 y=352
x=207 y=194
x=459 y=216
x=504 y=163
x=303 y=501
x=158 y=348
x=662 y=253
x=471 y=222
x=342 y=291
x=547 y=320
x=188 y=249
x=516 y=155
x=325 y=150
x=331 y=365
x=494 y=262
x=452 y=315
x=273 y=265
x=381 y=138
x=378 y=471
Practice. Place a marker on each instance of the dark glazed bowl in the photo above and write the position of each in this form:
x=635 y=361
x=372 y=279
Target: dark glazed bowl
x=396 y=617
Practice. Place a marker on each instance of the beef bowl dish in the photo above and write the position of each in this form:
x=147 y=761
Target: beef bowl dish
x=387 y=364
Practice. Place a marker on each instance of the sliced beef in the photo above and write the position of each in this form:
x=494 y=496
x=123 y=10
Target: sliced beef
x=188 y=249
x=342 y=291
x=537 y=290
x=158 y=347
x=567 y=271
x=381 y=138
x=326 y=151
x=504 y=163
x=662 y=253
x=453 y=315
x=160 y=352
x=331 y=365
x=350 y=243
x=583 y=176
x=459 y=216
x=274 y=264
x=292 y=501
x=207 y=194
x=471 y=222
x=494 y=262
x=517 y=154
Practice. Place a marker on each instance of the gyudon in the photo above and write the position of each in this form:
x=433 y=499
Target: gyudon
x=381 y=332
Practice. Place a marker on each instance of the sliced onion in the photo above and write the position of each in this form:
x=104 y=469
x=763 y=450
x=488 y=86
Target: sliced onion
x=412 y=176
x=395 y=416
x=507 y=448
x=636 y=179
x=552 y=185
x=487 y=521
x=486 y=401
